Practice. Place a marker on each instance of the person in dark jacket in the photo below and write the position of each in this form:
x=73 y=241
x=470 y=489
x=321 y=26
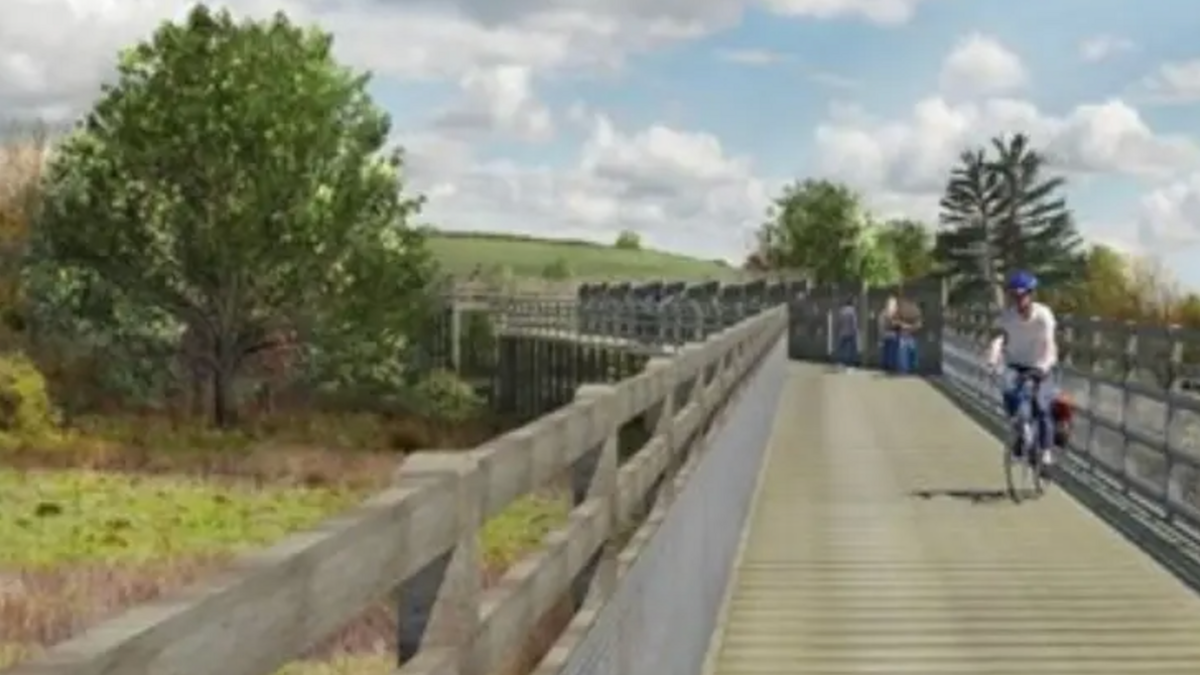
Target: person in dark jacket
x=846 y=333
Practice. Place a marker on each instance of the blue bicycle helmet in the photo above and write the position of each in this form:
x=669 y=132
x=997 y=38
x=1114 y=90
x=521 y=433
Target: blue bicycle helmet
x=1022 y=282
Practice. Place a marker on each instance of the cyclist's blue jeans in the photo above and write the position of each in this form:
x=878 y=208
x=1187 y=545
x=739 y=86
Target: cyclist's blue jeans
x=1041 y=406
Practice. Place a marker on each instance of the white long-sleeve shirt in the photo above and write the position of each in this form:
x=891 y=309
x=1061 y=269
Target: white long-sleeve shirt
x=1028 y=342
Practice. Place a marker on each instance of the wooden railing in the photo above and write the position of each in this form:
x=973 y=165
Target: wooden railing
x=421 y=536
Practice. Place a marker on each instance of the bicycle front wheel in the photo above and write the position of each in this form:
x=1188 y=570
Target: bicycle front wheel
x=1020 y=473
x=1036 y=471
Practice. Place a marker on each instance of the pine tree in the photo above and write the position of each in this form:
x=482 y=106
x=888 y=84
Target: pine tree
x=1003 y=213
x=1035 y=229
x=968 y=209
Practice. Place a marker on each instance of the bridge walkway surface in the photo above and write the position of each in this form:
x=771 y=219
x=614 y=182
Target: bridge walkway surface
x=881 y=541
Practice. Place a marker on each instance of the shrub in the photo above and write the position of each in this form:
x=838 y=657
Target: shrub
x=27 y=414
x=498 y=276
x=444 y=396
x=558 y=270
x=628 y=240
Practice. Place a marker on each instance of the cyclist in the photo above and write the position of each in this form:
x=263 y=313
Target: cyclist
x=1026 y=339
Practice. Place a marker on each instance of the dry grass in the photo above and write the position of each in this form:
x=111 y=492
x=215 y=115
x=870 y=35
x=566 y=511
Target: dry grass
x=130 y=508
x=303 y=448
x=44 y=605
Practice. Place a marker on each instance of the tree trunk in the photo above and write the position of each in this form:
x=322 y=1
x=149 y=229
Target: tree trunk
x=224 y=374
x=224 y=405
x=195 y=407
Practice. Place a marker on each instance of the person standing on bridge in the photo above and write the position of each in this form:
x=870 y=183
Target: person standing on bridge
x=887 y=337
x=1027 y=341
x=846 y=325
x=907 y=322
x=898 y=323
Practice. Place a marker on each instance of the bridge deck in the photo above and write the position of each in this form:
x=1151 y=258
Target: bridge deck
x=881 y=542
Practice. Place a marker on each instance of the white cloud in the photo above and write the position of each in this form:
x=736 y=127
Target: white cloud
x=1175 y=82
x=680 y=189
x=498 y=100
x=1102 y=47
x=1112 y=137
x=902 y=164
x=1169 y=216
x=764 y=57
x=54 y=53
x=1121 y=236
x=878 y=11
x=980 y=64
x=684 y=13
x=751 y=57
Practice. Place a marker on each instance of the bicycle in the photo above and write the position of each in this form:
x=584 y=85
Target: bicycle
x=1024 y=471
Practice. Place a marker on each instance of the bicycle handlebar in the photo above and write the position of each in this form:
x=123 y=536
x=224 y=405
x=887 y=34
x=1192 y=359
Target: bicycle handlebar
x=1029 y=372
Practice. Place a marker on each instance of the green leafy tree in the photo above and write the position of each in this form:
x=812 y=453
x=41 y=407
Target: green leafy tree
x=629 y=240
x=231 y=184
x=911 y=242
x=1104 y=288
x=875 y=259
x=756 y=262
x=1002 y=212
x=815 y=227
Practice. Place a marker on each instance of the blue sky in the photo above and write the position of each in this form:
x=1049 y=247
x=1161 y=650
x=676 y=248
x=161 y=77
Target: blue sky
x=764 y=83
x=680 y=118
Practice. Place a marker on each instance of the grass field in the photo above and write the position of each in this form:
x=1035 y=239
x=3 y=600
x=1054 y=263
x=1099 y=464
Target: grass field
x=78 y=545
x=462 y=253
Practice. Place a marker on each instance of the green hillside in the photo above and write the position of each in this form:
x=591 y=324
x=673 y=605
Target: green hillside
x=463 y=253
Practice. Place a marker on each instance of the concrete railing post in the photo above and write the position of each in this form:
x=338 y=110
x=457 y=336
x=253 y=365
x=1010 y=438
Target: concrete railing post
x=659 y=421
x=594 y=477
x=702 y=396
x=438 y=608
